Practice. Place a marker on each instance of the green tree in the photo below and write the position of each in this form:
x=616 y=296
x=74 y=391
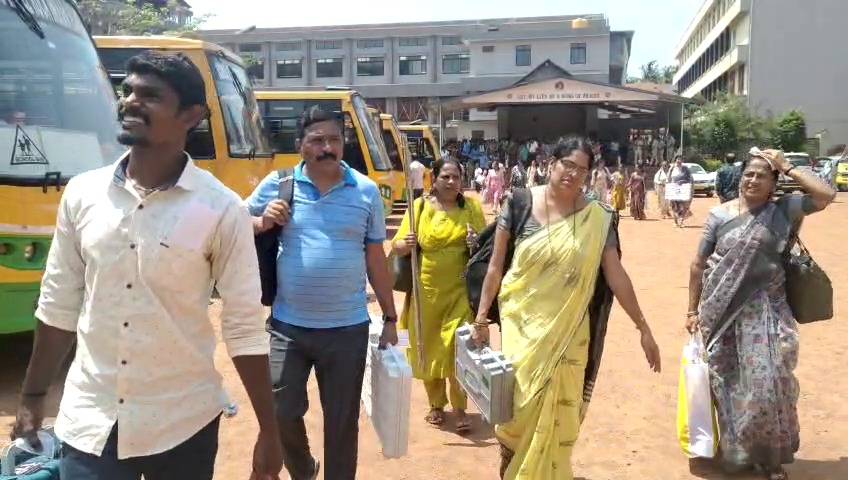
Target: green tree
x=726 y=125
x=651 y=72
x=125 y=17
x=790 y=132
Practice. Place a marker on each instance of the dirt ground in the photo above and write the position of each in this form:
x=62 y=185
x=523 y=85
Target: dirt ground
x=630 y=430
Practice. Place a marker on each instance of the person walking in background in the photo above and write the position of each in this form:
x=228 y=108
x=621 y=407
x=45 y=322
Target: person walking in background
x=416 y=175
x=661 y=178
x=137 y=247
x=727 y=179
x=618 y=199
x=448 y=223
x=638 y=188
x=320 y=317
x=737 y=300
x=680 y=175
x=554 y=305
x=601 y=182
x=495 y=187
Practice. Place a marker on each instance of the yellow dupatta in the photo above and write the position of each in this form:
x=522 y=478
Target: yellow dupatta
x=544 y=300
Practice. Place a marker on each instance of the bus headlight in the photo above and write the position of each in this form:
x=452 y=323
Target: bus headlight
x=29 y=251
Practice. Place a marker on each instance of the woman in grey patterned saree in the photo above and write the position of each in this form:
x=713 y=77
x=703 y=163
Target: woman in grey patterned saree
x=737 y=298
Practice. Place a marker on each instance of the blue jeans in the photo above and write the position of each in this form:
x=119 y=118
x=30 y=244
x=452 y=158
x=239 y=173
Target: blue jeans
x=193 y=459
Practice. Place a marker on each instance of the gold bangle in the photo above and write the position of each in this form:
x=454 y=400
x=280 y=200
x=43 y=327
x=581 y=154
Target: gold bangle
x=693 y=313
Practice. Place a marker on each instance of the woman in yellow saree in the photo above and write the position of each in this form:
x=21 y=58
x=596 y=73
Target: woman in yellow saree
x=618 y=199
x=554 y=302
x=447 y=224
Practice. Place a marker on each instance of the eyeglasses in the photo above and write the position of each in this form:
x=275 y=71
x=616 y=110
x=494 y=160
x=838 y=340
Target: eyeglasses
x=570 y=166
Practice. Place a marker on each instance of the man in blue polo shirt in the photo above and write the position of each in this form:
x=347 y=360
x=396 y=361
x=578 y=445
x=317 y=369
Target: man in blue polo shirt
x=332 y=238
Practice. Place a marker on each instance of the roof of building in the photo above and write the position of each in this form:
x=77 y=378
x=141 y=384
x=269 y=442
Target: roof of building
x=665 y=88
x=490 y=24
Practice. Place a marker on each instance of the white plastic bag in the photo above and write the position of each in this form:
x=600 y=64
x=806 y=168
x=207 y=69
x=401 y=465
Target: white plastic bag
x=697 y=429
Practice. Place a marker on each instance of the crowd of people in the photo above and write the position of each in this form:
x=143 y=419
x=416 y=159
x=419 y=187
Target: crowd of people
x=139 y=246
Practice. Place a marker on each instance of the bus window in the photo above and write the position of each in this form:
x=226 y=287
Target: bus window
x=199 y=144
x=393 y=149
x=242 y=121
x=376 y=147
x=58 y=114
x=281 y=117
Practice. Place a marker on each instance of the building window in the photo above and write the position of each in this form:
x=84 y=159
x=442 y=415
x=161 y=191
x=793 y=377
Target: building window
x=256 y=70
x=289 y=68
x=250 y=48
x=578 y=53
x=288 y=46
x=329 y=67
x=413 y=65
x=456 y=63
x=522 y=55
x=328 y=44
x=412 y=42
x=370 y=66
x=370 y=43
x=461 y=115
x=454 y=40
x=488 y=48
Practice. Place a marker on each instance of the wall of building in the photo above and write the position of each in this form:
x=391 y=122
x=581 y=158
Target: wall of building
x=491 y=58
x=798 y=61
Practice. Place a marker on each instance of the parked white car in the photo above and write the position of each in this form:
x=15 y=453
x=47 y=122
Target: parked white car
x=704 y=180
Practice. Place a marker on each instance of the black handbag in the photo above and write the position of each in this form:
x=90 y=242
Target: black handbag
x=268 y=243
x=809 y=290
x=402 y=264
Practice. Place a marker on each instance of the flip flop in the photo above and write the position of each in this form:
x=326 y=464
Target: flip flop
x=463 y=423
x=435 y=417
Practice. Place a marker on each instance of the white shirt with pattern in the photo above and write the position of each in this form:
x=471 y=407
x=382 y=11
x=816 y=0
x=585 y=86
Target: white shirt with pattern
x=132 y=277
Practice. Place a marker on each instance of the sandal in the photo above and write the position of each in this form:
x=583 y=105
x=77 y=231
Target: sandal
x=435 y=417
x=774 y=474
x=463 y=422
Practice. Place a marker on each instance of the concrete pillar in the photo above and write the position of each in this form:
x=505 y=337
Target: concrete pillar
x=351 y=63
x=307 y=61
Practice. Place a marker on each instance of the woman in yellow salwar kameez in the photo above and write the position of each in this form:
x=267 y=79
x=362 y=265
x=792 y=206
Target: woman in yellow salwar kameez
x=447 y=226
x=554 y=304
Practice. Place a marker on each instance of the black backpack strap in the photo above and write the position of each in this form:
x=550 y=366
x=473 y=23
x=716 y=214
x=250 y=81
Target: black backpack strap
x=286 y=186
x=521 y=205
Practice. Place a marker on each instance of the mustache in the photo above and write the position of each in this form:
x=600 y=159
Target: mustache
x=326 y=156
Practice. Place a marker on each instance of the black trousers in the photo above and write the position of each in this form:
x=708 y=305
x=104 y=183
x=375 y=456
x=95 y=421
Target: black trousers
x=193 y=459
x=338 y=355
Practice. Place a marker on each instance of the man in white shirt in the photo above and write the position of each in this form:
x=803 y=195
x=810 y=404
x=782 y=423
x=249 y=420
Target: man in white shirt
x=416 y=174
x=137 y=248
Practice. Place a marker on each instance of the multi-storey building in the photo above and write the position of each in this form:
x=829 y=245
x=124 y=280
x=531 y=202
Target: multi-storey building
x=781 y=54
x=404 y=68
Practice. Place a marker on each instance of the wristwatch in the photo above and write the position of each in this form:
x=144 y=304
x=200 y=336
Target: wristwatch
x=388 y=319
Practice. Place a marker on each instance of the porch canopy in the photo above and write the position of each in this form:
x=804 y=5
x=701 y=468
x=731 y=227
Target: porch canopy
x=549 y=84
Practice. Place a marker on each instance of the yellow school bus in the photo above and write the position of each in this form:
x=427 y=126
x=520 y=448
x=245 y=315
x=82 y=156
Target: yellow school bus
x=397 y=149
x=424 y=147
x=364 y=149
x=422 y=143
x=231 y=143
x=57 y=120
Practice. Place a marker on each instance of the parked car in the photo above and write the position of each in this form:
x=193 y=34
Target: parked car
x=704 y=180
x=799 y=160
x=842 y=176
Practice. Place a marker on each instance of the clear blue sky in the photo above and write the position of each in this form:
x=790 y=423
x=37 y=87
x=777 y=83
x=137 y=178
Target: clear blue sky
x=659 y=24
